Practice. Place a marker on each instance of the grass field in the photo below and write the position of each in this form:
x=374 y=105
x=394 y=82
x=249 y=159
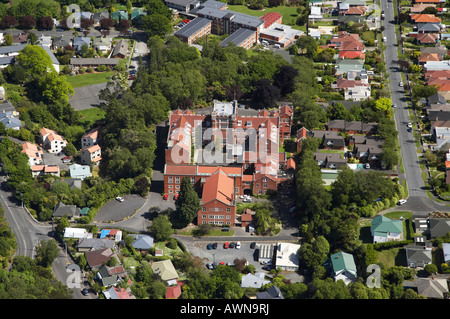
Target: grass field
x=88 y=79
x=90 y=116
x=289 y=13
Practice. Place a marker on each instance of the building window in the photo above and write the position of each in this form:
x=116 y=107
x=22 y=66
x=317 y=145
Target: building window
x=228 y=209
x=204 y=210
x=177 y=179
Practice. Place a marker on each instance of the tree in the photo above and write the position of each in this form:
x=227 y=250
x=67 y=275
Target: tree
x=265 y=94
x=308 y=45
x=7 y=39
x=8 y=22
x=46 y=23
x=34 y=60
x=47 y=252
x=55 y=88
x=106 y=23
x=162 y=228
x=285 y=79
x=156 y=25
x=27 y=22
x=187 y=204
x=32 y=38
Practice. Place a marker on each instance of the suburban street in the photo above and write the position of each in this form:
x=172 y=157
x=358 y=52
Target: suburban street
x=418 y=201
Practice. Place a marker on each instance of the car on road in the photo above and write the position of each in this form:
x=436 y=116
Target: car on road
x=409 y=125
x=400 y=84
x=176 y=196
x=401 y=202
x=132 y=66
x=409 y=129
x=120 y=199
x=214 y=246
x=166 y=196
x=133 y=72
x=232 y=245
x=209 y=246
x=132 y=77
x=247 y=200
x=85 y=291
x=238 y=245
x=394 y=106
x=225 y=229
x=226 y=245
x=367 y=165
x=209 y=266
x=266 y=267
x=253 y=245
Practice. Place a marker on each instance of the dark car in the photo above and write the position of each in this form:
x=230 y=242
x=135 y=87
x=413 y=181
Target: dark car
x=232 y=245
x=85 y=291
x=225 y=229
x=209 y=247
x=253 y=245
x=214 y=246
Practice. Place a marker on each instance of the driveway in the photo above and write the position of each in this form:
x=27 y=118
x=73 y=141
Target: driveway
x=86 y=97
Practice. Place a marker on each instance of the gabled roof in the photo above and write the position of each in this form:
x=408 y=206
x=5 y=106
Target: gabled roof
x=165 y=269
x=218 y=187
x=343 y=261
x=382 y=225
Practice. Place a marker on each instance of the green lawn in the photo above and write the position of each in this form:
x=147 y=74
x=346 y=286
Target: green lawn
x=90 y=116
x=289 y=13
x=88 y=79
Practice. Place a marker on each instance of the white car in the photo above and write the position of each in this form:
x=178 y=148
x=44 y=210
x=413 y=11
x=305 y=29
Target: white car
x=409 y=125
x=401 y=201
x=238 y=245
x=367 y=165
x=400 y=84
x=120 y=199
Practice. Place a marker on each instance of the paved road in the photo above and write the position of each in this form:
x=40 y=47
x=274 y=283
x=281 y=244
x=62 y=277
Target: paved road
x=418 y=201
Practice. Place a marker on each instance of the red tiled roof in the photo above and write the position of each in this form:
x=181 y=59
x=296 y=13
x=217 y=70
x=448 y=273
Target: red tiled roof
x=271 y=18
x=351 y=55
x=173 y=292
x=218 y=187
x=424 y=18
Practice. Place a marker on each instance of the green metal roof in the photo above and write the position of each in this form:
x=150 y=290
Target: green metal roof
x=343 y=261
x=381 y=224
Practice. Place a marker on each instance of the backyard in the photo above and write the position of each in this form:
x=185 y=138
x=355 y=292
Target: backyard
x=80 y=80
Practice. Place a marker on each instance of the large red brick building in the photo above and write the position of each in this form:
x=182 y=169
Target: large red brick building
x=226 y=155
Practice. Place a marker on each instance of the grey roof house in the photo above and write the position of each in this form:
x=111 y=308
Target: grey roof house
x=120 y=50
x=78 y=42
x=417 y=255
x=253 y=280
x=142 y=242
x=439 y=227
x=62 y=209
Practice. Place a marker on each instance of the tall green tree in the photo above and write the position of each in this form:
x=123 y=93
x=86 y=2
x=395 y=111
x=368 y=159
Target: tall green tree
x=187 y=204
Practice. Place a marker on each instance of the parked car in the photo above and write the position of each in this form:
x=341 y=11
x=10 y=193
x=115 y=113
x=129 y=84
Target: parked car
x=209 y=266
x=226 y=245
x=166 y=196
x=367 y=165
x=66 y=159
x=238 y=245
x=401 y=202
x=133 y=72
x=209 y=246
x=400 y=84
x=120 y=199
x=253 y=245
x=214 y=246
x=226 y=229
x=85 y=291
x=394 y=106
x=132 y=77
x=232 y=245
x=409 y=125
x=176 y=196
x=266 y=267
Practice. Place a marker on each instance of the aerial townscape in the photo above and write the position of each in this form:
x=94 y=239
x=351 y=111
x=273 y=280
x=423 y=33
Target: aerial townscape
x=244 y=150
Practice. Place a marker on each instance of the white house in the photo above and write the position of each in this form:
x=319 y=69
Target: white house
x=52 y=141
x=343 y=267
x=34 y=152
x=253 y=280
x=71 y=232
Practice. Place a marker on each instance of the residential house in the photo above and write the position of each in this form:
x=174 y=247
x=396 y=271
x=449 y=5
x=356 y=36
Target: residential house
x=286 y=256
x=330 y=139
x=418 y=255
x=446 y=252
x=354 y=90
x=256 y=280
x=119 y=15
x=34 y=152
x=78 y=171
x=432 y=288
x=45 y=41
x=55 y=62
x=20 y=38
x=10 y=120
x=61 y=210
x=438 y=227
x=174 y=292
x=272 y=293
x=90 y=138
x=136 y=14
x=142 y=242
x=40 y=170
x=60 y=42
x=52 y=141
x=89 y=244
x=78 y=43
x=424 y=18
x=91 y=155
x=384 y=229
x=166 y=271
x=301 y=135
x=343 y=66
x=120 y=49
x=118 y=293
x=343 y=267
x=97 y=16
x=110 y=276
x=79 y=233
x=115 y=234
x=102 y=44
x=315 y=14
x=329 y=160
x=96 y=258
x=427 y=38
